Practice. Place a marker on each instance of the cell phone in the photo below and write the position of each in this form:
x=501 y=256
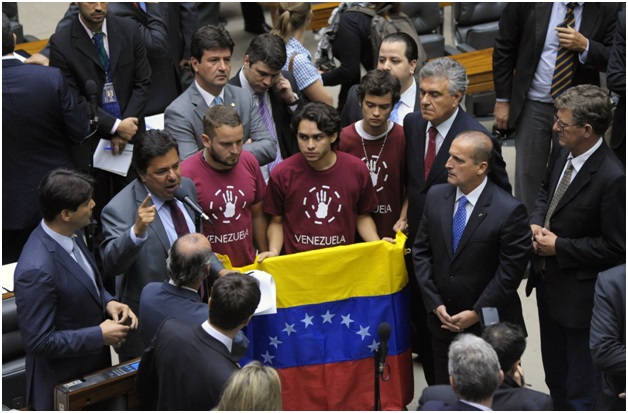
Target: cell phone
x=490 y=316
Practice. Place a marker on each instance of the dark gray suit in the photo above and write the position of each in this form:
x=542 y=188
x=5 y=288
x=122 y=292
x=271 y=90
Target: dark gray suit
x=184 y=119
x=137 y=264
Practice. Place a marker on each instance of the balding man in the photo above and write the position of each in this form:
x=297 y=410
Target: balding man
x=471 y=249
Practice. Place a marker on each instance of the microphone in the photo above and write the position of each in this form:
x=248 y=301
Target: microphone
x=91 y=89
x=180 y=194
x=383 y=331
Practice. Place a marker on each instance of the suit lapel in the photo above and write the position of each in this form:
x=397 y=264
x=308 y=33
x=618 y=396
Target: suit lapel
x=115 y=44
x=447 y=217
x=541 y=16
x=590 y=12
x=198 y=101
x=230 y=100
x=156 y=226
x=420 y=149
x=479 y=213
x=84 y=43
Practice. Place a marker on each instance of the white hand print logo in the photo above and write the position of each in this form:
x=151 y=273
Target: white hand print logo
x=374 y=170
x=229 y=203
x=379 y=174
x=318 y=204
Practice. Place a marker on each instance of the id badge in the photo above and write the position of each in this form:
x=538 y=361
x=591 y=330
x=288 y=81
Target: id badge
x=109 y=93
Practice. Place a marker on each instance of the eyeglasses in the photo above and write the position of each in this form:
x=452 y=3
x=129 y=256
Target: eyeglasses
x=561 y=124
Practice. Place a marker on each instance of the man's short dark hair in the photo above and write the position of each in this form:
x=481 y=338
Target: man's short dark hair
x=210 y=38
x=378 y=83
x=150 y=144
x=233 y=300
x=588 y=104
x=63 y=189
x=191 y=265
x=412 y=50
x=219 y=115
x=508 y=341
x=8 y=43
x=269 y=49
x=325 y=117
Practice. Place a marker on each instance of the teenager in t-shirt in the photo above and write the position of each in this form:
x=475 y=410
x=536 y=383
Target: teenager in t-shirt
x=319 y=197
x=380 y=144
x=230 y=188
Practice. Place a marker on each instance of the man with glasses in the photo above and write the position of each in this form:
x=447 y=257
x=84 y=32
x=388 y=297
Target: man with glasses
x=578 y=230
x=274 y=91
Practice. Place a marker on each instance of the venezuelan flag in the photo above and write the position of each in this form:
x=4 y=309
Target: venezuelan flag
x=323 y=337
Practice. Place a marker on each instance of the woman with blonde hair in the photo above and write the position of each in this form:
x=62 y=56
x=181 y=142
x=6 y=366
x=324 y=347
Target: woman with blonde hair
x=294 y=18
x=255 y=387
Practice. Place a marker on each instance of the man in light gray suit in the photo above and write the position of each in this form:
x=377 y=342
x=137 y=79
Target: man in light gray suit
x=211 y=51
x=142 y=221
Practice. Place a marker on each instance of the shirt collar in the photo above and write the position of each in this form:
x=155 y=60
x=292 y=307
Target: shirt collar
x=476 y=405
x=443 y=128
x=245 y=83
x=208 y=97
x=183 y=287
x=66 y=242
x=578 y=161
x=408 y=98
x=217 y=335
x=474 y=195
x=91 y=33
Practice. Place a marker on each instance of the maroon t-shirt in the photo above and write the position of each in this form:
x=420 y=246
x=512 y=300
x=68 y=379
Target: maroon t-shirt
x=226 y=197
x=388 y=172
x=319 y=208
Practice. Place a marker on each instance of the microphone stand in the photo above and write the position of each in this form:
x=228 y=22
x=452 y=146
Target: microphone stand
x=91 y=227
x=377 y=403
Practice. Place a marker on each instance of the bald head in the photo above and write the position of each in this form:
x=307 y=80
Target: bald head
x=189 y=260
x=482 y=147
x=470 y=160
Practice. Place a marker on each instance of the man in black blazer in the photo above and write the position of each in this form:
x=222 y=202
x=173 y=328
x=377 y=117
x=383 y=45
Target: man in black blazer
x=608 y=337
x=616 y=81
x=73 y=51
x=579 y=229
x=189 y=364
x=475 y=258
x=524 y=59
x=443 y=83
x=40 y=124
x=263 y=78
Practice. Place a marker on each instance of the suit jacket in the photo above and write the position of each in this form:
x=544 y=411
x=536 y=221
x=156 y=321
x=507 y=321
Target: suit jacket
x=73 y=51
x=616 y=80
x=59 y=312
x=439 y=406
x=352 y=112
x=590 y=222
x=187 y=367
x=184 y=119
x=414 y=127
x=519 y=44
x=608 y=337
x=506 y=398
x=282 y=115
x=41 y=122
x=137 y=264
x=487 y=267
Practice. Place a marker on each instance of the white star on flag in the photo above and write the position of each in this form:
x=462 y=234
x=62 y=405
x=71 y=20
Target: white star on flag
x=364 y=331
x=274 y=342
x=346 y=320
x=289 y=329
x=327 y=317
x=268 y=358
x=307 y=320
x=374 y=346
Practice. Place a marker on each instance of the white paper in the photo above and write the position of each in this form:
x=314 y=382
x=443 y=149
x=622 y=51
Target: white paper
x=7 y=277
x=268 y=301
x=154 y=122
x=105 y=159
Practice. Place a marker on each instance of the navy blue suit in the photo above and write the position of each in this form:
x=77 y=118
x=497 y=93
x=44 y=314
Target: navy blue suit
x=59 y=312
x=40 y=124
x=445 y=407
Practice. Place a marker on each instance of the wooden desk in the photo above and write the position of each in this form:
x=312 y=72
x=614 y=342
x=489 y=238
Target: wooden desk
x=32 y=47
x=479 y=65
x=321 y=12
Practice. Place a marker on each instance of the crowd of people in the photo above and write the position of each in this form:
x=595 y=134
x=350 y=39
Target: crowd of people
x=277 y=169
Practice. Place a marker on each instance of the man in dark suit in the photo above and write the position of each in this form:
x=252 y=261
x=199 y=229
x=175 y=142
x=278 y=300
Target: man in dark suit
x=534 y=40
x=475 y=258
x=67 y=319
x=109 y=51
x=211 y=50
x=474 y=375
x=143 y=220
x=616 y=81
x=509 y=342
x=263 y=78
x=398 y=54
x=190 y=364
x=40 y=123
x=579 y=229
x=608 y=337
x=443 y=83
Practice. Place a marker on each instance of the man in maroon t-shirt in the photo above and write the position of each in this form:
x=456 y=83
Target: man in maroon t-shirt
x=230 y=188
x=318 y=198
x=381 y=145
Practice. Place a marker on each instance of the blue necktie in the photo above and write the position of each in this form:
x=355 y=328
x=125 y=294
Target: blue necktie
x=217 y=101
x=460 y=221
x=394 y=115
x=270 y=125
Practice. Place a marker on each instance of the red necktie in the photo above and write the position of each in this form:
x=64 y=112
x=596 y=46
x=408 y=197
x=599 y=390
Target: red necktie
x=180 y=224
x=431 y=150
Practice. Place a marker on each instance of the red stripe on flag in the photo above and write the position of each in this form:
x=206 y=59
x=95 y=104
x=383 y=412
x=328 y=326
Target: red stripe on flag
x=347 y=385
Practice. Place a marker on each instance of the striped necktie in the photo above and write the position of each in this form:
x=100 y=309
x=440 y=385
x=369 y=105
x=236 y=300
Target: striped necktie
x=563 y=70
x=558 y=194
x=264 y=113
